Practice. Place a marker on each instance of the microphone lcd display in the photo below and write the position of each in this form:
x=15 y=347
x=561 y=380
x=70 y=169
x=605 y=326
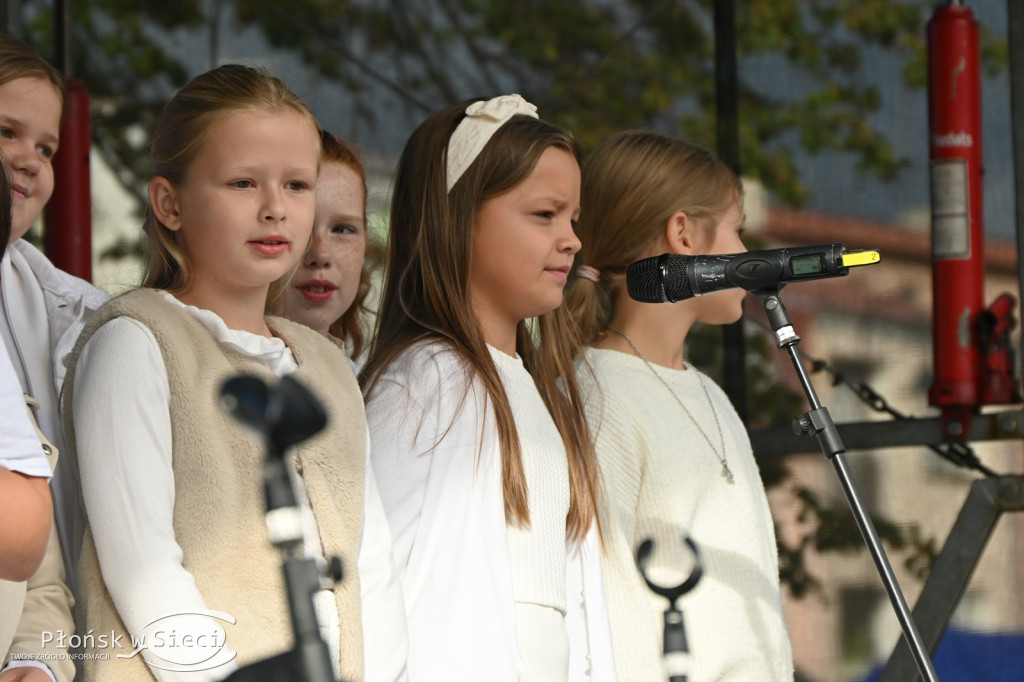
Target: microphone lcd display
x=810 y=264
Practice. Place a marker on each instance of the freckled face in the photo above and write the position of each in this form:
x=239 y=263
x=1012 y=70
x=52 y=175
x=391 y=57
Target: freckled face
x=327 y=281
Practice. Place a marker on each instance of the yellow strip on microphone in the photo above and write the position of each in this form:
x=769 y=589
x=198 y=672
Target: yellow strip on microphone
x=863 y=257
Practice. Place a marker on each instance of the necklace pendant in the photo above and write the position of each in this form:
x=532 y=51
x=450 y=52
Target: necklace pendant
x=726 y=471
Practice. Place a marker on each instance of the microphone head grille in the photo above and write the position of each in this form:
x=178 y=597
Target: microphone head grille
x=660 y=279
x=644 y=281
x=676 y=277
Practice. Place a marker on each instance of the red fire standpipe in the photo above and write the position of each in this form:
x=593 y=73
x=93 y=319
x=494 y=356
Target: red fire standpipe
x=958 y=269
x=67 y=239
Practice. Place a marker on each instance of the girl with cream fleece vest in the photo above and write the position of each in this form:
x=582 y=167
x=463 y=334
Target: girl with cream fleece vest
x=177 y=550
x=675 y=458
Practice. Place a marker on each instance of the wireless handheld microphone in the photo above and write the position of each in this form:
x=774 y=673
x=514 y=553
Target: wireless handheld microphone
x=672 y=277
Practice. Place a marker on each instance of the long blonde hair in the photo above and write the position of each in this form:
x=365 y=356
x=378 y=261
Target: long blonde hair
x=426 y=294
x=180 y=133
x=632 y=184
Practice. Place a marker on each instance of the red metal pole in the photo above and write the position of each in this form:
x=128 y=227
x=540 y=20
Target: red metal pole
x=958 y=269
x=67 y=237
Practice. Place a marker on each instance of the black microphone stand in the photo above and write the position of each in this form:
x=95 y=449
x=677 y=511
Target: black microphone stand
x=675 y=650
x=819 y=423
x=285 y=416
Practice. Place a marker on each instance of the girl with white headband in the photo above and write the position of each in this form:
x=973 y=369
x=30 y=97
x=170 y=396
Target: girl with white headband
x=485 y=466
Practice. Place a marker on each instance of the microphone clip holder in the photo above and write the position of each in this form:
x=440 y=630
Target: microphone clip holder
x=675 y=648
x=818 y=422
x=285 y=415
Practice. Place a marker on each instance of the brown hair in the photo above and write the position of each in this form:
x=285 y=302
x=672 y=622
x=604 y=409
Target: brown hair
x=179 y=137
x=347 y=327
x=632 y=184
x=426 y=294
x=19 y=60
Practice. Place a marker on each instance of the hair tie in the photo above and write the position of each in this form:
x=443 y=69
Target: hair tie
x=482 y=120
x=342 y=143
x=587 y=272
x=327 y=133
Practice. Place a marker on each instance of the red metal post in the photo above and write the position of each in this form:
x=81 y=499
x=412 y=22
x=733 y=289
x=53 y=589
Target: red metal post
x=67 y=237
x=958 y=272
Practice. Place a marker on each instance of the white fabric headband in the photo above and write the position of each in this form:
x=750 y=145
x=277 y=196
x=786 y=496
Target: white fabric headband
x=482 y=120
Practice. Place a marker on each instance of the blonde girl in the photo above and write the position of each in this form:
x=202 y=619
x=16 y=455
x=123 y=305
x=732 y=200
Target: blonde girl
x=177 y=547
x=484 y=463
x=675 y=457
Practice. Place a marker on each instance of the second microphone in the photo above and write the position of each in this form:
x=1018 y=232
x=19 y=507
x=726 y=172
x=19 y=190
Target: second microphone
x=672 y=277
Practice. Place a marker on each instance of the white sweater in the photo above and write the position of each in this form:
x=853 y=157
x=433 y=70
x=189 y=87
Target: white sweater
x=537 y=552
x=436 y=457
x=662 y=481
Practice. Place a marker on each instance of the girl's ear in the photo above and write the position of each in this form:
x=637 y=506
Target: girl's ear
x=165 y=203
x=681 y=234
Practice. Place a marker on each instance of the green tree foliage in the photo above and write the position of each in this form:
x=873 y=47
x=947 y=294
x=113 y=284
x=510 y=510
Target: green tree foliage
x=593 y=66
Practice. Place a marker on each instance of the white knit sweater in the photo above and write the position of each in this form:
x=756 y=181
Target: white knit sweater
x=662 y=481
x=537 y=552
x=466 y=574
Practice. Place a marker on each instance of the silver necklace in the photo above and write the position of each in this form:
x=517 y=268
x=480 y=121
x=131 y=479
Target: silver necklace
x=726 y=471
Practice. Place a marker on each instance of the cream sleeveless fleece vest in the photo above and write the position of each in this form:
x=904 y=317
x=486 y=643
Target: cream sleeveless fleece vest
x=219 y=502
